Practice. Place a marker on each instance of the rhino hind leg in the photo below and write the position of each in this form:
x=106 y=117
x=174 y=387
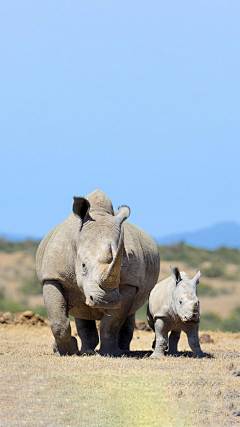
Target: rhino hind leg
x=56 y=307
x=126 y=333
x=173 y=342
x=87 y=331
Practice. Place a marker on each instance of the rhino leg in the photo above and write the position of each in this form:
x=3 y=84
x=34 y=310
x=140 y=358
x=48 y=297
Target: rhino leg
x=173 y=342
x=161 y=338
x=56 y=307
x=193 y=339
x=113 y=320
x=126 y=333
x=87 y=331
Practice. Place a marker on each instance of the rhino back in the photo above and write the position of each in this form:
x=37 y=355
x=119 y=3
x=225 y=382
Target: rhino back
x=140 y=263
x=55 y=260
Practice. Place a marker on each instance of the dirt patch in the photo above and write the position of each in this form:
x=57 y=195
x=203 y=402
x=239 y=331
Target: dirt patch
x=26 y=317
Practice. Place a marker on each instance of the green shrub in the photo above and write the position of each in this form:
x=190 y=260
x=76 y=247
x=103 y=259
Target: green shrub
x=196 y=256
x=213 y=322
x=215 y=270
x=210 y=321
x=27 y=245
x=31 y=285
x=206 y=290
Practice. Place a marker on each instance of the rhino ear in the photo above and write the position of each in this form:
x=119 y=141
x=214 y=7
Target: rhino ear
x=123 y=213
x=176 y=274
x=81 y=207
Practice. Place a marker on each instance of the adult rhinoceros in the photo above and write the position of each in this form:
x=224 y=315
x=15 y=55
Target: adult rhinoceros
x=95 y=266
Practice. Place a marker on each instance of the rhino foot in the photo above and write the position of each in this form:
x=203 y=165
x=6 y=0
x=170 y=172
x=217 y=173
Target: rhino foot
x=87 y=352
x=157 y=354
x=199 y=355
x=66 y=348
x=175 y=353
x=114 y=352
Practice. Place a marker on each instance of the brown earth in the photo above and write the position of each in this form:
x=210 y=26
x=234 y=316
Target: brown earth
x=41 y=389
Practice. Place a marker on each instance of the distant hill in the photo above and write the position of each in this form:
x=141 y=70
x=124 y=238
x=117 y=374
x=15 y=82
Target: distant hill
x=12 y=237
x=223 y=234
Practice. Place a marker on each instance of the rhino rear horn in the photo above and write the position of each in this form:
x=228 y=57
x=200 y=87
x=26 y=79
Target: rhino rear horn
x=81 y=207
x=175 y=274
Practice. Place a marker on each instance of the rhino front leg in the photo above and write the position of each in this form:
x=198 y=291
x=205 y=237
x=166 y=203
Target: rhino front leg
x=126 y=333
x=87 y=331
x=56 y=307
x=161 y=338
x=173 y=342
x=193 y=339
x=112 y=322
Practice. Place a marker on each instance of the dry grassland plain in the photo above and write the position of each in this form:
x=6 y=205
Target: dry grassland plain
x=41 y=389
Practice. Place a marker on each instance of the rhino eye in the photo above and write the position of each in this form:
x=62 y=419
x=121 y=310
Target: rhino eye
x=180 y=302
x=84 y=268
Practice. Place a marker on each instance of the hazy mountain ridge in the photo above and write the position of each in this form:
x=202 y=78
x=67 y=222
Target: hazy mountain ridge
x=222 y=234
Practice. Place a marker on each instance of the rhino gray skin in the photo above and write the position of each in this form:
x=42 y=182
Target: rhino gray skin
x=94 y=266
x=174 y=306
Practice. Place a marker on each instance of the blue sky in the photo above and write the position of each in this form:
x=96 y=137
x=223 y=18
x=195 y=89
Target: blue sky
x=140 y=99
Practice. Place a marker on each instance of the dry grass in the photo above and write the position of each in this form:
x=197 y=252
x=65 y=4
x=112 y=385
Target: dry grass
x=41 y=389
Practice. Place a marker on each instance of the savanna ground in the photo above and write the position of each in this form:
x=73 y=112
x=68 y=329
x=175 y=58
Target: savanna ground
x=41 y=389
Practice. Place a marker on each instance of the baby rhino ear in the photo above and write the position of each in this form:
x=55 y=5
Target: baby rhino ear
x=176 y=274
x=197 y=277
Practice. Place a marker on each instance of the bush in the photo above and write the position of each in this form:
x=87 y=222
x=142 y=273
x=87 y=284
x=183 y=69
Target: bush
x=206 y=290
x=31 y=285
x=213 y=322
x=17 y=306
x=195 y=256
x=215 y=270
x=27 y=245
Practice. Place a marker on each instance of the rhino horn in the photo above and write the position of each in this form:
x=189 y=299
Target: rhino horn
x=111 y=276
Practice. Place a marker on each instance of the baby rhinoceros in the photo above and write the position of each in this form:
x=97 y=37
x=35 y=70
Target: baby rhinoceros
x=174 y=307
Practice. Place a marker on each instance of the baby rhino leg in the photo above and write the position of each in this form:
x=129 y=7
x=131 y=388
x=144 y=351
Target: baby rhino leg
x=193 y=339
x=173 y=342
x=161 y=338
